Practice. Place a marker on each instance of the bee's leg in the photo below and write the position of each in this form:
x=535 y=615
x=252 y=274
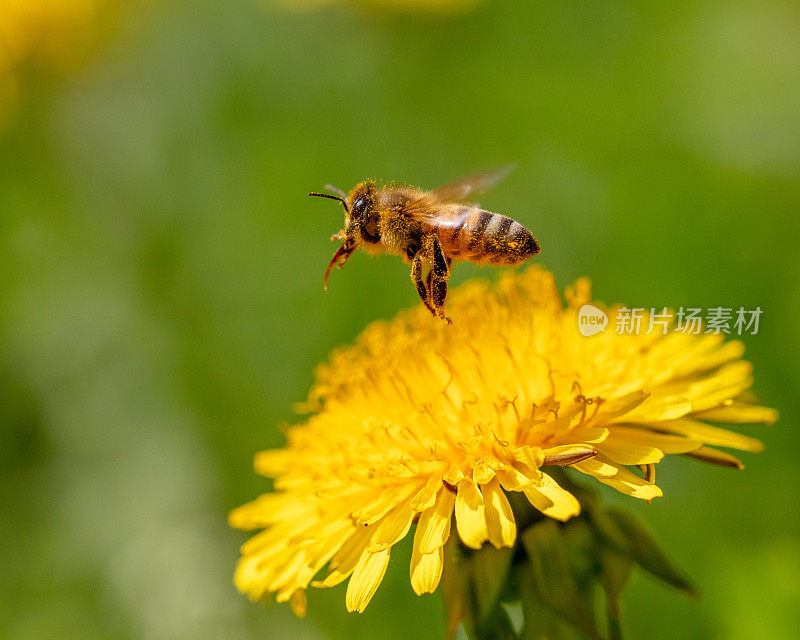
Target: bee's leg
x=438 y=295
x=419 y=283
x=441 y=263
x=428 y=284
x=440 y=273
x=339 y=258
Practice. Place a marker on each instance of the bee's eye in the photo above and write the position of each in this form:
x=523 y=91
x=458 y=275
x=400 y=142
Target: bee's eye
x=359 y=207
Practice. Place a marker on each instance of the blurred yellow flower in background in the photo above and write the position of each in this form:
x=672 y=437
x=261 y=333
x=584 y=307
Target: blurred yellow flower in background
x=398 y=6
x=50 y=35
x=418 y=421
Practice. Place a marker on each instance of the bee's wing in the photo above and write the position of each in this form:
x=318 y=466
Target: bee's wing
x=470 y=185
x=428 y=206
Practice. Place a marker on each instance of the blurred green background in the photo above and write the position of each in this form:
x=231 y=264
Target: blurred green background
x=161 y=304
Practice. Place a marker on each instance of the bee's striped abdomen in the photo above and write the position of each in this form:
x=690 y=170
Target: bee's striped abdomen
x=481 y=236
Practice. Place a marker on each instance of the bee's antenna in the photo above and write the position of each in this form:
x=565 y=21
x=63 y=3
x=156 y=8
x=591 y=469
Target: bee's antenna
x=330 y=187
x=341 y=199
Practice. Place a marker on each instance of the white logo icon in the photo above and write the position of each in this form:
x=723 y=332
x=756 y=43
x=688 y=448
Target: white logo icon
x=591 y=320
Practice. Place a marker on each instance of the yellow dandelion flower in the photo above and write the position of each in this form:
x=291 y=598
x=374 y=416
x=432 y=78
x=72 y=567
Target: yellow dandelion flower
x=419 y=422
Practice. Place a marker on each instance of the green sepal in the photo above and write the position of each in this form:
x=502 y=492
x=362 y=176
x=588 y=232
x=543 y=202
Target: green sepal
x=472 y=583
x=489 y=567
x=456 y=589
x=643 y=548
x=539 y=623
x=548 y=570
x=496 y=625
x=556 y=571
x=615 y=569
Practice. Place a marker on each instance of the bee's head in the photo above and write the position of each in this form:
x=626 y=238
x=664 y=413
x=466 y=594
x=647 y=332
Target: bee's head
x=360 y=203
x=360 y=220
x=358 y=209
x=361 y=224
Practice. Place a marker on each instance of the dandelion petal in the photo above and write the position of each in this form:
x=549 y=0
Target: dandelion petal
x=549 y=498
x=433 y=527
x=470 y=514
x=426 y=570
x=500 y=523
x=366 y=577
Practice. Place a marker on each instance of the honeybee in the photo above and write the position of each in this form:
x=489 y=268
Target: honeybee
x=429 y=228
